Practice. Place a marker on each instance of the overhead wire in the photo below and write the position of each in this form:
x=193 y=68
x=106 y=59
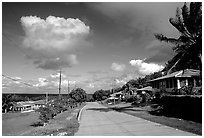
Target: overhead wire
x=25 y=83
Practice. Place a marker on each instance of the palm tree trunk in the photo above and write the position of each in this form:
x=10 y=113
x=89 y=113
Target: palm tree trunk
x=168 y=72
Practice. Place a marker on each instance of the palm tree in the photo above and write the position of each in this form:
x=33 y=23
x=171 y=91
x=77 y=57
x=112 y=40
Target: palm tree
x=188 y=46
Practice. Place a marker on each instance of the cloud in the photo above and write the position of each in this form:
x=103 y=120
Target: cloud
x=65 y=83
x=145 y=68
x=51 y=42
x=56 y=75
x=120 y=81
x=42 y=82
x=91 y=85
x=15 y=84
x=117 y=67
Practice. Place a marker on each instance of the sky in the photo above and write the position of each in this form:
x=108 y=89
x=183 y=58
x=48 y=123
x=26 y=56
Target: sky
x=98 y=45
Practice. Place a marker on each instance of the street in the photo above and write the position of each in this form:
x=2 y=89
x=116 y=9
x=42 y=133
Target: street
x=97 y=120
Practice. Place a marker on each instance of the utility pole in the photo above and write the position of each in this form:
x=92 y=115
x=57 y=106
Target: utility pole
x=68 y=87
x=60 y=85
x=46 y=97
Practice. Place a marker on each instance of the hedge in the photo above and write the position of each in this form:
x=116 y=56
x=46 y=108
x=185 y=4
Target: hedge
x=182 y=106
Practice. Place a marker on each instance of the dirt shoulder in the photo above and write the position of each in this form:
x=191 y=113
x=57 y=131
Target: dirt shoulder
x=143 y=112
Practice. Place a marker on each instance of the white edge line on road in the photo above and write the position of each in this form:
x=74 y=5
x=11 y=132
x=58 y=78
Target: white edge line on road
x=79 y=116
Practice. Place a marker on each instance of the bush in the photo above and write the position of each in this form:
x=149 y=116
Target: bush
x=45 y=114
x=186 y=107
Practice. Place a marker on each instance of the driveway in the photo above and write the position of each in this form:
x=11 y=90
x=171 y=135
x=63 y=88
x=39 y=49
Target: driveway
x=98 y=120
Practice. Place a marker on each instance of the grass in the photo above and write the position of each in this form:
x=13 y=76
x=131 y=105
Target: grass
x=14 y=124
x=65 y=124
x=27 y=124
x=144 y=112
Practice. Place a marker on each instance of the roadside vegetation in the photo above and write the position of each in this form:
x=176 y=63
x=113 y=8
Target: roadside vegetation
x=57 y=117
x=164 y=107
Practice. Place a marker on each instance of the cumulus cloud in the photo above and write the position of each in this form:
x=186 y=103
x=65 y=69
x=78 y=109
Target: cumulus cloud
x=120 y=81
x=91 y=85
x=42 y=82
x=56 y=75
x=145 y=68
x=49 y=40
x=117 y=67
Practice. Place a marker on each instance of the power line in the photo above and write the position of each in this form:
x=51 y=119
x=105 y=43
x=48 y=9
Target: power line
x=17 y=80
x=25 y=83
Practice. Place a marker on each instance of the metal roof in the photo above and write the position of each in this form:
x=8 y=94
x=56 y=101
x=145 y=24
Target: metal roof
x=181 y=73
x=148 y=88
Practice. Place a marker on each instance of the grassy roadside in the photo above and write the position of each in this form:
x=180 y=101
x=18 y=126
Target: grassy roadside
x=64 y=124
x=143 y=112
x=14 y=124
x=24 y=124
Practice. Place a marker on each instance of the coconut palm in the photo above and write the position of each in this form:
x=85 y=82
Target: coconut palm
x=188 y=46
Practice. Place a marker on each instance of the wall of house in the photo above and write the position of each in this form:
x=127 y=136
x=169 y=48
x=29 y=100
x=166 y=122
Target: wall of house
x=164 y=85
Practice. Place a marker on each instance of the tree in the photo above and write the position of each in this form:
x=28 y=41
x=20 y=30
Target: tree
x=101 y=94
x=7 y=102
x=79 y=95
x=188 y=46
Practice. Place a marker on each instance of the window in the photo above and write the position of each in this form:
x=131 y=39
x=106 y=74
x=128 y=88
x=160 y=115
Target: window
x=167 y=83
x=175 y=82
x=171 y=83
x=153 y=84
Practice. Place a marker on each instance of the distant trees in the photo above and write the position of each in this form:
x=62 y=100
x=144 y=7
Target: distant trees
x=101 y=94
x=89 y=98
x=7 y=102
x=188 y=46
x=79 y=95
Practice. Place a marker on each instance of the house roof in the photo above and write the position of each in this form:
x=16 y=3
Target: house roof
x=148 y=88
x=28 y=103
x=181 y=73
x=110 y=98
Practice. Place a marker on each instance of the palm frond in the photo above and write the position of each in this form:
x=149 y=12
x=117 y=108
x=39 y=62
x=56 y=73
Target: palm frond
x=161 y=37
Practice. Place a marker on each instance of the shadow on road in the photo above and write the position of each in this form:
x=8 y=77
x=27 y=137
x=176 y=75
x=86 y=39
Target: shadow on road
x=119 y=109
x=100 y=109
x=127 y=109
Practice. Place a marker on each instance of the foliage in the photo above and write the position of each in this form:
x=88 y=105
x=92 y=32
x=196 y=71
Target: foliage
x=45 y=113
x=101 y=94
x=54 y=107
x=37 y=98
x=79 y=95
x=188 y=46
x=89 y=98
x=186 y=107
x=7 y=102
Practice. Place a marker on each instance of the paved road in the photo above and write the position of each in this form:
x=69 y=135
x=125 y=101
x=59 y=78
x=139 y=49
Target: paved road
x=97 y=120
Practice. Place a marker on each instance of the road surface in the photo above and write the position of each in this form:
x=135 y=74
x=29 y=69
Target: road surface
x=97 y=120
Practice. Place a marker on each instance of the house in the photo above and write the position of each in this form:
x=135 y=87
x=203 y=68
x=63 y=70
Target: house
x=28 y=105
x=132 y=91
x=118 y=94
x=23 y=106
x=147 y=89
x=176 y=80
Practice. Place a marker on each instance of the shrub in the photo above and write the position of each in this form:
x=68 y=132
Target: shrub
x=45 y=114
x=182 y=106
